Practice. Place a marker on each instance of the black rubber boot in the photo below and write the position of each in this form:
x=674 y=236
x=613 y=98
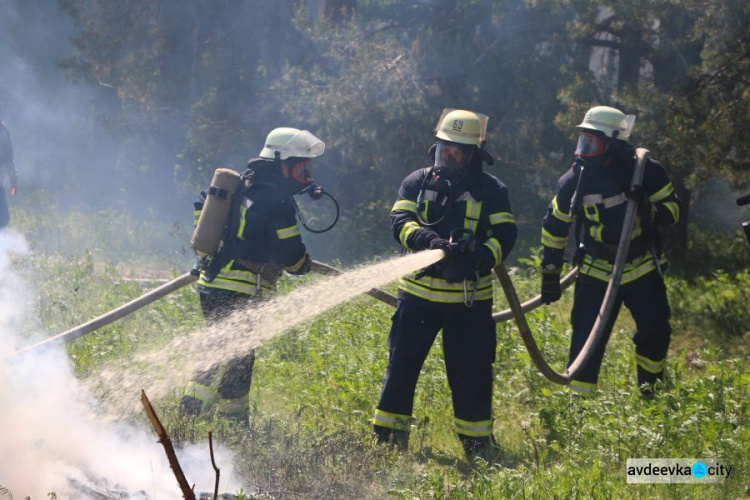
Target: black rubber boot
x=647 y=382
x=484 y=447
x=392 y=437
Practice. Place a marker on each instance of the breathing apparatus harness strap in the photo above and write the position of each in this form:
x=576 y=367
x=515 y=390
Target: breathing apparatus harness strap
x=651 y=239
x=462 y=238
x=576 y=210
x=429 y=175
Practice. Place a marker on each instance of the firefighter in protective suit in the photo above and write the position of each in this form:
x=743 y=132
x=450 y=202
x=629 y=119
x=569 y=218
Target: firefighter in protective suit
x=457 y=207
x=604 y=164
x=263 y=240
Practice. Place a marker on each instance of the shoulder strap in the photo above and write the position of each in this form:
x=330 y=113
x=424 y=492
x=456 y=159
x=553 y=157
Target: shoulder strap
x=484 y=215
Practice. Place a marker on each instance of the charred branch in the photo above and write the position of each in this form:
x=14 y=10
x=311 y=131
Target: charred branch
x=166 y=442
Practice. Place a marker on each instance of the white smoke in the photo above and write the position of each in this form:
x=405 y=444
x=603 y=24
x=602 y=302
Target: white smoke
x=50 y=439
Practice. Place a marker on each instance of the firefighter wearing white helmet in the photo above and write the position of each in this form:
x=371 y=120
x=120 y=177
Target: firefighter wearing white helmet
x=261 y=240
x=455 y=206
x=602 y=170
x=612 y=122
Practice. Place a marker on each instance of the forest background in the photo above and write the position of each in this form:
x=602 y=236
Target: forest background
x=132 y=105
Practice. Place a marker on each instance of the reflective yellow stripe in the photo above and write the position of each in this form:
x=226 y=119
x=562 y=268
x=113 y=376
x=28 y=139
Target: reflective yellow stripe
x=474 y=429
x=439 y=290
x=637 y=228
x=649 y=364
x=406 y=231
x=473 y=209
x=405 y=205
x=234 y=279
x=231 y=285
x=442 y=297
x=288 y=232
x=208 y=396
x=297 y=265
x=236 y=274
x=221 y=370
x=592 y=214
x=197 y=217
x=579 y=386
x=559 y=214
x=234 y=406
x=662 y=193
x=496 y=248
x=633 y=270
x=241 y=230
x=441 y=284
x=552 y=241
x=674 y=209
x=392 y=420
x=501 y=217
x=426 y=204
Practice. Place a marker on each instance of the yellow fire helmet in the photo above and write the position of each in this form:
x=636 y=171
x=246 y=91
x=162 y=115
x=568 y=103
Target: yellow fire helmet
x=286 y=142
x=462 y=127
x=608 y=120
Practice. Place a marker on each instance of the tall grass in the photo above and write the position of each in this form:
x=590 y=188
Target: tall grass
x=314 y=390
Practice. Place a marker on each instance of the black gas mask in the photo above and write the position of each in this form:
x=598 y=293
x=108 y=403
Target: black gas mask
x=452 y=159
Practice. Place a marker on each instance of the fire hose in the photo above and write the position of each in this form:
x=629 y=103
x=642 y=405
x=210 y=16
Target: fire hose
x=152 y=296
x=517 y=309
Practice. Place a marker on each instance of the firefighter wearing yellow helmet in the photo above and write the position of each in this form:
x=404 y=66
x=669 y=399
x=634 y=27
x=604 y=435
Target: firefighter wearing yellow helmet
x=603 y=170
x=456 y=206
x=260 y=240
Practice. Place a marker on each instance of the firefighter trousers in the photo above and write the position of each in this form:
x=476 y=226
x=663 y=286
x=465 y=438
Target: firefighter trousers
x=225 y=387
x=469 y=344
x=646 y=298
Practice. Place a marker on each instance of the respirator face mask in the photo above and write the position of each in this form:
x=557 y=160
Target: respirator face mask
x=589 y=146
x=450 y=158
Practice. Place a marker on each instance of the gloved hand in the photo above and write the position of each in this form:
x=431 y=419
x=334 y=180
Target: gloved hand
x=305 y=267
x=551 y=291
x=459 y=267
x=639 y=195
x=444 y=245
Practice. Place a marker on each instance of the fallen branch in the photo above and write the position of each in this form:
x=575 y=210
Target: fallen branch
x=213 y=463
x=174 y=464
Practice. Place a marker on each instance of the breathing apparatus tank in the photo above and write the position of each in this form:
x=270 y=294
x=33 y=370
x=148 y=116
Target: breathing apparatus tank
x=210 y=227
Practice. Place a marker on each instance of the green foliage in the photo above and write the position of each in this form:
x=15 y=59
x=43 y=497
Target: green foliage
x=720 y=302
x=152 y=246
x=708 y=251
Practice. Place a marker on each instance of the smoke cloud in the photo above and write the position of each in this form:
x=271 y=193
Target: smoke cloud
x=50 y=439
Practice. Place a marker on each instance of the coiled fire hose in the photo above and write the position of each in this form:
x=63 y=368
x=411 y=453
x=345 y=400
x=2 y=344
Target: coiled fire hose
x=517 y=309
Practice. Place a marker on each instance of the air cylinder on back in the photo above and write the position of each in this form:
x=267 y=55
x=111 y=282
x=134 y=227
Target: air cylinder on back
x=208 y=231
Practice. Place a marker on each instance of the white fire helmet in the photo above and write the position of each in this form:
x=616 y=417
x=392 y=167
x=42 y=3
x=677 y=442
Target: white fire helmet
x=608 y=120
x=286 y=142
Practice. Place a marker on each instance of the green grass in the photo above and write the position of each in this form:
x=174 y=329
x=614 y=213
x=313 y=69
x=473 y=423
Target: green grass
x=315 y=387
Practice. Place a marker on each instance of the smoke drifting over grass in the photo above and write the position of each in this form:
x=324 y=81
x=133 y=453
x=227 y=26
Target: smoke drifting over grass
x=50 y=439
